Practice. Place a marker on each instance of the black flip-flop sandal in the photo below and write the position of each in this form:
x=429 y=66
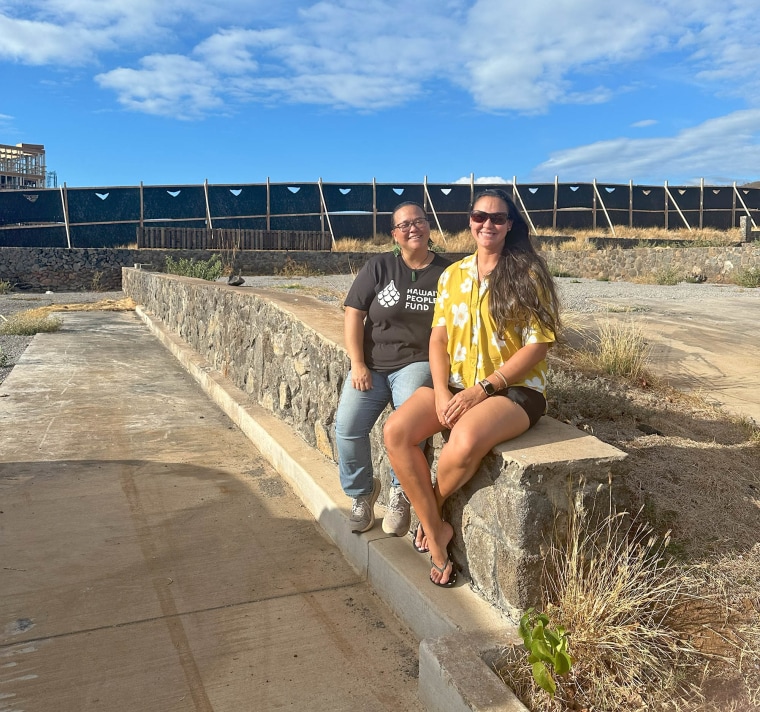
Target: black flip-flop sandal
x=452 y=577
x=419 y=549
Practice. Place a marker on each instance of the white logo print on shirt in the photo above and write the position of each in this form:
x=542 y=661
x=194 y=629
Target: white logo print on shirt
x=389 y=296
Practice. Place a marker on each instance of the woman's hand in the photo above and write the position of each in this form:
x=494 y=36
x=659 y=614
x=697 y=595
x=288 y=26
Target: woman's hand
x=456 y=406
x=361 y=378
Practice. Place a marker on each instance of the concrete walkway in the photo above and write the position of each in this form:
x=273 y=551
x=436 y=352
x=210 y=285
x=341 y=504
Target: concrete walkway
x=150 y=557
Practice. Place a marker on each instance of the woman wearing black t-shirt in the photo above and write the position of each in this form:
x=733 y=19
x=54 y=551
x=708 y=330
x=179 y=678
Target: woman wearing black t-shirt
x=389 y=311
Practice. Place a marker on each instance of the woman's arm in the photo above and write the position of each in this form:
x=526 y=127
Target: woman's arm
x=353 y=335
x=520 y=363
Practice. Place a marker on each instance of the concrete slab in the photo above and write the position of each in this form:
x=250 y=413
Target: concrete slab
x=152 y=559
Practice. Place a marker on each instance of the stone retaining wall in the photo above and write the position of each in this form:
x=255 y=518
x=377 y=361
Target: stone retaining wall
x=286 y=352
x=60 y=269
x=714 y=264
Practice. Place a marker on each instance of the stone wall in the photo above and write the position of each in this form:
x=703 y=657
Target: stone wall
x=289 y=358
x=60 y=269
x=714 y=264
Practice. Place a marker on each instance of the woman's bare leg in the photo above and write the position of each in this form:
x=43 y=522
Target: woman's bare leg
x=490 y=422
x=414 y=421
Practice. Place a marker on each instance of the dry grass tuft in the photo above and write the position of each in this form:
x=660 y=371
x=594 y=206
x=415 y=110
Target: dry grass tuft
x=616 y=348
x=645 y=632
x=39 y=320
x=28 y=323
x=382 y=243
x=291 y=268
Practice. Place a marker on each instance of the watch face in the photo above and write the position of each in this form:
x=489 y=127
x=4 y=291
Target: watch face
x=488 y=387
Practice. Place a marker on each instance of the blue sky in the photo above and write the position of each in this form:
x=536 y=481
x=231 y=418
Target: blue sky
x=173 y=92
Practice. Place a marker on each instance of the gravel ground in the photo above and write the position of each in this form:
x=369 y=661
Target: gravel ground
x=578 y=295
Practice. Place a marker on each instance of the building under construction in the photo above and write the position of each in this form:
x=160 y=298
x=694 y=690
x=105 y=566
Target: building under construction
x=22 y=166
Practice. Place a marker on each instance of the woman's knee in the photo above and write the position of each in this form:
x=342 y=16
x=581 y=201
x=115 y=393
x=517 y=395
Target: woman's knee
x=394 y=430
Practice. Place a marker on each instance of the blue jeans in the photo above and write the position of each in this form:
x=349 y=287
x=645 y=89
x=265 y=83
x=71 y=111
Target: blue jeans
x=358 y=412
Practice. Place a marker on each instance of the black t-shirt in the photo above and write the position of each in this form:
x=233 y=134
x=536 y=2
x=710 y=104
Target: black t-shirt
x=399 y=310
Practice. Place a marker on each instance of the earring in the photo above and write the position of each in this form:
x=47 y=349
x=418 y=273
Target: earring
x=396 y=249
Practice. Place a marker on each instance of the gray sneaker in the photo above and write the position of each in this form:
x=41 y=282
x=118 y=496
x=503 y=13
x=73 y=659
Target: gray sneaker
x=363 y=509
x=397 y=517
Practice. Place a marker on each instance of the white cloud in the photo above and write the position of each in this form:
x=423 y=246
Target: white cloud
x=483 y=180
x=372 y=54
x=166 y=85
x=720 y=150
x=643 y=124
x=41 y=43
x=536 y=54
x=228 y=51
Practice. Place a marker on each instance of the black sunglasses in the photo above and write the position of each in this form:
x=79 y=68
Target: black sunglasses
x=478 y=216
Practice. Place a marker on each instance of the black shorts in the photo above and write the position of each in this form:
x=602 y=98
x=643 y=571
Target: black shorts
x=529 y=399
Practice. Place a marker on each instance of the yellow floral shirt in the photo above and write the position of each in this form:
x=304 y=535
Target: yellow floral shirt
x=475 y=349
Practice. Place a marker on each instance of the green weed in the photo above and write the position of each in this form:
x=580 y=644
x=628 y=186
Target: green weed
x=749 y=277
x=210 y=269
x=667 y=276
x=547 y=649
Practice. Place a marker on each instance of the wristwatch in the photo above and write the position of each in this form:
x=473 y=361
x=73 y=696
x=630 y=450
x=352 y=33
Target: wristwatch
x=487 y=386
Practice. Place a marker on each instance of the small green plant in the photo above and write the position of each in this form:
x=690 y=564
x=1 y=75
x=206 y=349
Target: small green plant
x=547 y=649
x=748 y=277
x=667 y=276
x=5 y=287
x=210 y=269
x=29 y=323
x=557 y=272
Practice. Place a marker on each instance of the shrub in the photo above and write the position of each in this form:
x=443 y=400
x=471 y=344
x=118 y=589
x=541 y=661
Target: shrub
x=3 y=359
x=748 y=277
x=5 y=287
x=210 y=269
x=667 y=276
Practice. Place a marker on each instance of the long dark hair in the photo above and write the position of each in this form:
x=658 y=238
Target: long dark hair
x=522 y=288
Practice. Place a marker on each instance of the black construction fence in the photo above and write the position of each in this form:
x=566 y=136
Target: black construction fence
x=319 y=213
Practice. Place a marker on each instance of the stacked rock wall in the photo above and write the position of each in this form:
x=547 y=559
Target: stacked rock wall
x=60 y=269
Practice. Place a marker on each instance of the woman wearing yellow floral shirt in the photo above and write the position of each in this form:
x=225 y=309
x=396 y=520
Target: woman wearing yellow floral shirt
x=495 y=317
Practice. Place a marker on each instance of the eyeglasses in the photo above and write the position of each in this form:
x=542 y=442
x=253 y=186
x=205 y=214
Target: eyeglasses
x=406 y=226
x=478 y=216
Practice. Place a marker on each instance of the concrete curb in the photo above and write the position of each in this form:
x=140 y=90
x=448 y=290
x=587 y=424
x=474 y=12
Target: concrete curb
x=455 y=676
x=391 y=566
